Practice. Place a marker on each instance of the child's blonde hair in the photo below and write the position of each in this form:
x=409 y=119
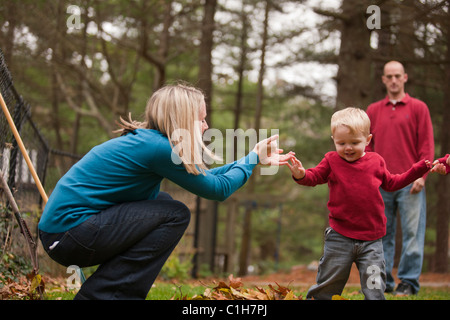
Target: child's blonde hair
x=174 y=111
x=355 y=119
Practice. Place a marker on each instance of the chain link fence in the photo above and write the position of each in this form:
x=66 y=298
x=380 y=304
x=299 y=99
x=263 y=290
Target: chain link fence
x=50 y=166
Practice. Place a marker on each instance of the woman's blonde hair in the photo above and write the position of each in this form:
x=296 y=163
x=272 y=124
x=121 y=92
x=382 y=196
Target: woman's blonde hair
x=174 y=111
x=355 y=119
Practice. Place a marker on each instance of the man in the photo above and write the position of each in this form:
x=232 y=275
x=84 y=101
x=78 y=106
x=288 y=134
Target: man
x=402 y=135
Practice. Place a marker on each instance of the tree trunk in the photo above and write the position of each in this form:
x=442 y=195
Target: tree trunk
x=163 y=50
x=443 y=185
x=158 y=60
x=241 y=67
x=206 y=47
x=247 y=228
x=353 y=89
x=205 y=232
x=240 y=72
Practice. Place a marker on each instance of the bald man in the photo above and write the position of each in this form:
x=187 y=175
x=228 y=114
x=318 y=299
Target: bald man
x=402 y=135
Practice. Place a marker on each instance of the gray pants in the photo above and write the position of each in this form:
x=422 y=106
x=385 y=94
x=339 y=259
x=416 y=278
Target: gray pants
x=334 y=268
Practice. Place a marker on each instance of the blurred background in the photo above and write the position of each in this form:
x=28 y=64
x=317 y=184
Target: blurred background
x=287 y=65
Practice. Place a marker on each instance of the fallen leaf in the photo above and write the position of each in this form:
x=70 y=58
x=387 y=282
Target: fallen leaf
x=338 y=297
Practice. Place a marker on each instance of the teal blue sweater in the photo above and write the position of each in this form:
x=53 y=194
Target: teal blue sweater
x=130 y=168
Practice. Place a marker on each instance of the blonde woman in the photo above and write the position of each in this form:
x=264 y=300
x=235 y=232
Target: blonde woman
x=108 y=209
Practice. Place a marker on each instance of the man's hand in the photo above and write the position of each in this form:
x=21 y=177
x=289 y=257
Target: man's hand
x=417 y=186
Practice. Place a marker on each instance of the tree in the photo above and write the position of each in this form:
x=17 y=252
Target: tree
x=158 y=58
x=354 y=54
x=443 y=209
x=206 y=223
x=205 y=52
x=246 y=235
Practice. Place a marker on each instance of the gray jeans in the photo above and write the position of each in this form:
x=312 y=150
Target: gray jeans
x=334 y=268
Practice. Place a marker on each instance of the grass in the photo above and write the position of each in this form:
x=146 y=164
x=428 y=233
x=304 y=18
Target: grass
x=426 y=293
x=166 y=291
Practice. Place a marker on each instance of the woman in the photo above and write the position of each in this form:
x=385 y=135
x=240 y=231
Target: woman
x=107 y=210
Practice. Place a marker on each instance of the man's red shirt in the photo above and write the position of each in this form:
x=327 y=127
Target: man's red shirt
x=402 y=133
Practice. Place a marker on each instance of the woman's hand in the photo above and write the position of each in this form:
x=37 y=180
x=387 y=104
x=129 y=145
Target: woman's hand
x=269 y=154
x=278 y=159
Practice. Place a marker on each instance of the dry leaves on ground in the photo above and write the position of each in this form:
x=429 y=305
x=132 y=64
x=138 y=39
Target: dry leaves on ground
x=234 y=290
x=31 y=288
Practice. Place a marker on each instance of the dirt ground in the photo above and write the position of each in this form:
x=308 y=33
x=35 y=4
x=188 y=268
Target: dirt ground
x=303 y=276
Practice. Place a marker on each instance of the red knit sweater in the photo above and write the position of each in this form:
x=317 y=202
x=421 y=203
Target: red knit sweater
x=402 y=134
x=355 y=204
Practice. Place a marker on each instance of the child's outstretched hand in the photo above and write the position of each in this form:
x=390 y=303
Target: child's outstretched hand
x=438 y=167
x=442 y=165
x=297 y=170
